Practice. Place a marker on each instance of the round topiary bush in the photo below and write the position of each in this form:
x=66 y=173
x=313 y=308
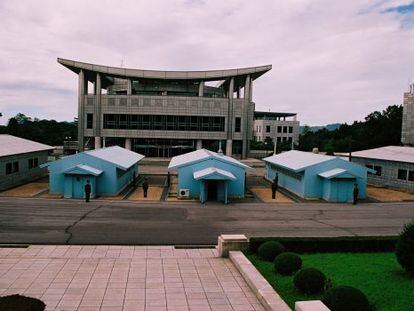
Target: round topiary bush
x=345 y=298
x=269 y=250
x=21 y=303
x=309 y=281
x=404 y=249
x=287 y=263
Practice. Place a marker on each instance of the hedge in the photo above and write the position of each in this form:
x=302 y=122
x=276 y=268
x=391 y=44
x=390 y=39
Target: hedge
x=330 y=245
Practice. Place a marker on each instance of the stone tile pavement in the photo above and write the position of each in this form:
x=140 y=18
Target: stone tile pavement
x=125 y=278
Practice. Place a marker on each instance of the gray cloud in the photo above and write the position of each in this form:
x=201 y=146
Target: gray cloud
x=332 y=60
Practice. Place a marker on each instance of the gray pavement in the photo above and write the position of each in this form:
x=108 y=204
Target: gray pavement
x=49 y=221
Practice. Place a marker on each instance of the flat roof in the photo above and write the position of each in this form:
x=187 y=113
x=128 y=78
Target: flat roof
x=205 y=75
x=388 y=153
x=274 y=114
x=10 y=145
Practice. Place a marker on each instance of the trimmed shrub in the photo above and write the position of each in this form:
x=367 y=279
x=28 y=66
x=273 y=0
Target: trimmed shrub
x=330 y=245
x=269 y=250
x=345 y=298
x=287 y=263
x=404 y=249
x=21 y=303
x=309 y=281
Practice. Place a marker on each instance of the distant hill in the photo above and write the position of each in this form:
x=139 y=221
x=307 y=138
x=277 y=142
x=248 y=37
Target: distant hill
x=329 y=127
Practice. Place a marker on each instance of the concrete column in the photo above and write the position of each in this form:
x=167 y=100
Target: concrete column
x=229 y=147
x=201 y=89
x=129 y=88
x=97 y=142
x=81 y=108
x=98 y=108
x=245 y=117
x=199 y=144
x=128 y=143
x=230 y=118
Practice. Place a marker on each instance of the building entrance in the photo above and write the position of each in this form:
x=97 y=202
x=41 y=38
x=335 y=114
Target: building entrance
x=211 y=190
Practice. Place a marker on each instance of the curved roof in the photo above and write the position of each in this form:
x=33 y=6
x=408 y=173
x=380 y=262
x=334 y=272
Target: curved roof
x=208 y=75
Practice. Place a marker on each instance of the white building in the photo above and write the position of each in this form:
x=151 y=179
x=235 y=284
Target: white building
x=278 y=126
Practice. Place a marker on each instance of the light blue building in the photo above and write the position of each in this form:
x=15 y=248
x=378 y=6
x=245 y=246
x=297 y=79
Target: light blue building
x=208 y=175
x=108 y=170
x=311 y=175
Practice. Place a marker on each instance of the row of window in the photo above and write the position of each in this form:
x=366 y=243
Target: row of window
x=280 y=129
x=377 y=169
x=162 y=122
x=13 y=167
x=279 y=139
x=402 y=173
x=405 y=175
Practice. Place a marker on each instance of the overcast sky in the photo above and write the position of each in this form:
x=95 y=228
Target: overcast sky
x=333 y=61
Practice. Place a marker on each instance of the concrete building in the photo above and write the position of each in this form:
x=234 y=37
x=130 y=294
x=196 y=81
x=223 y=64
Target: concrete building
x=317 y=176
x=108 y=170
x=165 y=113
x=278 y=126
x=407 y=133
x=20 y=160
x=209 y=176
x=393 y=166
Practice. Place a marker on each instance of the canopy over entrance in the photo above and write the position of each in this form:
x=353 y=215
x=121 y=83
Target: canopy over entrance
x=213 y=185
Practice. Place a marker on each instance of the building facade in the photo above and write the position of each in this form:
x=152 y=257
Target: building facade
x=317 y=176
x=209 y=176
x=278 y=126
x=165 y=113
x=393 y=166
x=407 y=133
x=20 y=160
x=108 y=170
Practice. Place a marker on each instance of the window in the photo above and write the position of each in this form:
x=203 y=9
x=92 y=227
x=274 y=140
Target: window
x=411 y=175
x=290 y=139
x=15 y=167
x=378 y=170
x=279 y=129
x=89 y=120
x=267 y=128
x=402 y=174
x=369 y=166
x=237 y=125
x=12 y=167
x=290 y=129
x=32 y=163
x=162 y=122
x=285 y=129
x=279 y=139
x=9 y=168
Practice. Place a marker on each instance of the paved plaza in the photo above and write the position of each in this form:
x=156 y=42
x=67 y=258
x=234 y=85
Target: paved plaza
x=125 y=278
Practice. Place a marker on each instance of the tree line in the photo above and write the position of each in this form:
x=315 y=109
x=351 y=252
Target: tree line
x=50 y=132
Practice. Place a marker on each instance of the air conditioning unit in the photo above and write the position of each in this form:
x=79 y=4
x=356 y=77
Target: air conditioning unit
x=184 y=193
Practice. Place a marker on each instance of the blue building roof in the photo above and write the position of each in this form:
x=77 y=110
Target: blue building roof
x=201 y=155
x=121 y=157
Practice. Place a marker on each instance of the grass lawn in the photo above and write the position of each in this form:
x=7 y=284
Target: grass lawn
x=377 y=275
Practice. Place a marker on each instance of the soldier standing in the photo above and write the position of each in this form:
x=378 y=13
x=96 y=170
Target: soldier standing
x=145 y=187
x=355 y=193
x=275 y=186
x=88 y=190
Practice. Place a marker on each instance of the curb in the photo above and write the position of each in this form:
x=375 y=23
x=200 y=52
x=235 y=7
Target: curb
x=262 y=289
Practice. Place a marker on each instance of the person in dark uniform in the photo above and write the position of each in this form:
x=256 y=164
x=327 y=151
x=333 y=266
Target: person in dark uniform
x=274 y=186
x=88 y=189
x=145 y=187
x=355 y=193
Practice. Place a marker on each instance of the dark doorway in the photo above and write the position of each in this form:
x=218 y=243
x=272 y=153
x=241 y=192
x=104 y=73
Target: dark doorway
x=211 y=190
